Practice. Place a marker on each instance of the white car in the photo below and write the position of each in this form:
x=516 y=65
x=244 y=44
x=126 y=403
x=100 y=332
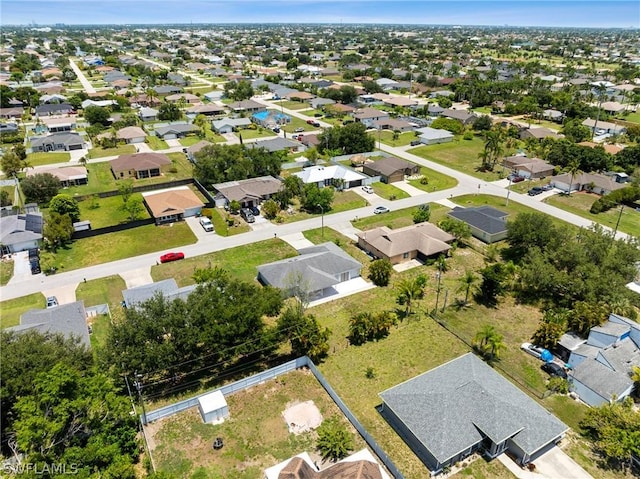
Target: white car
x=380 y=209
x=367 y=189
x=206 y=223
x=533 y=350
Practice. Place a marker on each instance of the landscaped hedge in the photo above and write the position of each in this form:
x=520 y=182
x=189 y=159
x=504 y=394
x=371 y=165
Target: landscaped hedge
x=613 y=199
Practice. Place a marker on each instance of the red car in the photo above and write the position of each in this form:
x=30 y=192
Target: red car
x=165 y=258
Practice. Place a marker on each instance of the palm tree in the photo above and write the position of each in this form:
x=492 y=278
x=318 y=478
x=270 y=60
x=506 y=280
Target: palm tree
x=409 y=290
x=495 y=345
x=573 y=167
x=483 y=336
x=466 y=283
x=489 y=342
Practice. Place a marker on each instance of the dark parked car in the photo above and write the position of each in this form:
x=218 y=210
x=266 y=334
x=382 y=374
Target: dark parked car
x=35 y=266
x=516 y=178
x=166 y=258
x=247 y=214
x=255 y=211
x=554 y=370
x=416 y=143
x=536 y=190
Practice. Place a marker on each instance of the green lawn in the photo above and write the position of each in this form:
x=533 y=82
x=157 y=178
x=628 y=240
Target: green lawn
x=388 y=191
x=297 y=123
x=386 y=136
x=104 y=152
x=218 y=218
x=580 y=203
x=312 y=113
x=461 y=155
x=189 y=141
x=436 y=181
x=156 y=143
x=249 y=134
x=524 y=186
x=39 y=159
x=292 y=105
x=6 y=272
x=109 y=211
x=123 y=244
x=12 y=309
x=241 y=261
x=633 y=117
x=342 y=201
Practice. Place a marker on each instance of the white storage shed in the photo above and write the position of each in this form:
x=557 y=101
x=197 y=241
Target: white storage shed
x=213 y=407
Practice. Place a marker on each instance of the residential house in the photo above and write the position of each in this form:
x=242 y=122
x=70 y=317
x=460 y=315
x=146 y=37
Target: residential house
x=68 y=175
x=609 y=148
x=210 y=109
x=393 y=124
x=249 y=192
x=188 y=98
x=277 y=144
x=601 y=367
x=420 y=241
x=11 y=112
x=538 y=133
x=9 y=128
x=334 y=175
x=100 y=103
x=175 y=204
x=465 y=406
x=528 y=167
x=319 y=103
x=69 y=320
x=59 y=125
x=592 y=182
x=386 y=83
x=148 y=114
x=215 y=95
x=612 y=107
x=228 y=125
x=20 y=232
x=139 y=165
x=51 y=99
x=299 y=96
x=314 y=272
x=433 y=136
x=167 y=89
x=270 y=118
x=553 y=115
x=368 y=116
x=180 y=130
x=49 y=109
x=462 y=116
x=360 y=465
x=400 y=101
x=131 y=134
x=248 y=106
x=487 y=224
x=604 y=127
x=390 y=169
x=168 y=288
x=57 y=142
x=195 y=148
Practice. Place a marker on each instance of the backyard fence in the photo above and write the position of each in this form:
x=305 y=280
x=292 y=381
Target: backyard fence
x=272 y=373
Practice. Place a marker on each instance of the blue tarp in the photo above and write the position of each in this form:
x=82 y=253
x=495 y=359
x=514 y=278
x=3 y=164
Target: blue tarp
x=546 y=356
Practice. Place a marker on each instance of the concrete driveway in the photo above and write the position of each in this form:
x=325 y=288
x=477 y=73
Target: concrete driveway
x=556 y=463
x=198 y=230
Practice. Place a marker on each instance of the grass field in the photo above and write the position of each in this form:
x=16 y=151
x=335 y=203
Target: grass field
x=461 y=155
x=39 y=159
x=580 y=203
x=6 y=271
x=241 y=262
x=388 y=191
x=249 y=134
x=436 y=181
x=220 y=225
x=290 y=127
x=109 y=212
x=292 y=105
x=317 y=236
x=104 y=152
x=342 y=201
x=13 y=308
x=156 y=143
x=123 y=244
x=386 y=136
x=256 y=436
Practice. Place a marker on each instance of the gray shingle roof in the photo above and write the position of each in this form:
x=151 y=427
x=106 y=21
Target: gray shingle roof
x=16 y=229
x=168 y=288
x=275 y=144
x=449 y=408
x=601 y=379
x=485 y=218
x=319 y=267
x=68 y=319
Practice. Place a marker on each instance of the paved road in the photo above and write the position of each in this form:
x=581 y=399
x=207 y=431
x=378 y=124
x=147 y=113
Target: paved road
x=83 y=79
x=182 y=72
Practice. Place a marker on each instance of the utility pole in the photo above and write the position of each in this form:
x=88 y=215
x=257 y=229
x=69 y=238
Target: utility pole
x=615 y=230
x=138 y=385
x=322 y=219
x=438 y=277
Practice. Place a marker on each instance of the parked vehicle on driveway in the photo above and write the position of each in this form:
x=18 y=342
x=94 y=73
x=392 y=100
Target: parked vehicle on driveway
x=515 y=178
x=416 y=143
x=206 y=223
x=554 y=370
x=533 y=350
x=299 y=129
x=367 y=189
x=536 y=190
x=168 y=257
x=247 y=214
x=52 y=302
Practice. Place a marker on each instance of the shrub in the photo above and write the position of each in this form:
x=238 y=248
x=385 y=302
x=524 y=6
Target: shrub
x=558 y=385
x=468 y=136
x=424 y=180
x=380 y=272
x=334 y=440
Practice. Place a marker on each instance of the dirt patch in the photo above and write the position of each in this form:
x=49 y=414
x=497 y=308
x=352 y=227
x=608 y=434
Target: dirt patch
x=302 y=417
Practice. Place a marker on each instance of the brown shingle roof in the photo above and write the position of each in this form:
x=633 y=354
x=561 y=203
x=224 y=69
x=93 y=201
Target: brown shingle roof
x=174 y=201
x=139 y=161
x=299 y=469
x=130 y=132
x=426 y=238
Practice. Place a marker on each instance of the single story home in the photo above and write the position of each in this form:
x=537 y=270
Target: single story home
x=57 y=142
x=538 y=133
x=69 y=320
x=487 y=224
x=465 y=406
x=249 y=192
x=609 y=148
x=602 y=366
x=421 y=241
x=270 y=118
x=54 y=109
x=392 y=124
x=188 y=98
x=400 y=101
x=528 y=167
x=228 y=125
x=319 y=103
x=314 y=272
x=68 y=175
x=277 y=144
x=210 y=109
x=167 y=89
x=390 y=169
x=175 y=204
x=359 y=465
x=593 y=182
x=20 y=232
x=215 y=95
x=168 y=288
x=368 y=116
x=602 y=127
x=172 y=132
x=9 y=128
x=59 y=125
x=249 y=106
x=462 y=116
x=334 y=175
x=148 y=114
x=11 y=112
x=131 y=134
x=139 y=165
x=553 y=115
x=100 y=103
x=195 y=148
x=433 y=136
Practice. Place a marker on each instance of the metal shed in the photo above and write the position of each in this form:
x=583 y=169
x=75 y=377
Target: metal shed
x=213 y=407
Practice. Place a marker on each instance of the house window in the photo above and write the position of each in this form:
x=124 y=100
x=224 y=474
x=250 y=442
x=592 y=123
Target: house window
x=344 y=276
x=405 y=255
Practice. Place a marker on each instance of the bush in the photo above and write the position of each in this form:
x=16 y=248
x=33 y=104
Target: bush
x=558 y=385
x=270 y=209
x=380 y=272
x=334 y=440
x=424 y=180
x=467 y=136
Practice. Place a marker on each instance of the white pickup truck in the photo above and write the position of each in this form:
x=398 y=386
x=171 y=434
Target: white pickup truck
x=206 y=223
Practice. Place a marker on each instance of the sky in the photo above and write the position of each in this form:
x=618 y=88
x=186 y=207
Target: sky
x=550 y=13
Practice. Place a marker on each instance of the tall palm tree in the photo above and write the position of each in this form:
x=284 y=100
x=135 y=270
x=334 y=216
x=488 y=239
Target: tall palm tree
x=409 y=291
x=484 y=335
x=573 y=168
x=495 y=345
x=466 y=283
x=489 y=342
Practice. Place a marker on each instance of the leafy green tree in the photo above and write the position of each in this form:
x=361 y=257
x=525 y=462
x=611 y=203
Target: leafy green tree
x=303 y=332
x=11 y=164
x=573 y=168
x=380 y=272
x=270 y=209
x=57 y=231
x=482 y=123
x=459 y=229
x=551 y=328
x=334 y=439
x=20 y=151
x=169 y=112
x=422 y=214
x=134 y=207
x=315 y=199
x=586 y=315
x=454 y=126
x=493 y=284
x=97 y=115
x=575 y=131
x=5 y=200
x=238 y=91
x=365 y=326
x=125 y=188
x=489 y=342
x=65 y=204
x=528 y=231
x=234 y=207
x=222 y=163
